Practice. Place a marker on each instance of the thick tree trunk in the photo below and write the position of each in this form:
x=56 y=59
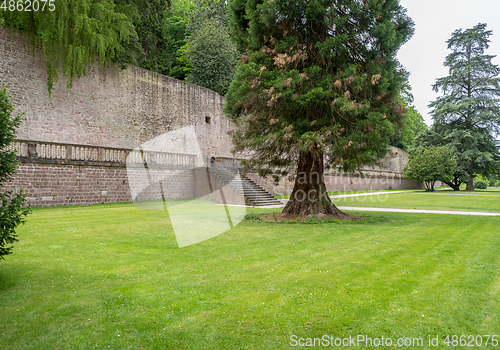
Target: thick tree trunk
x=470 y=185
x=453 y=185
x=309 y=195
x=470 y=181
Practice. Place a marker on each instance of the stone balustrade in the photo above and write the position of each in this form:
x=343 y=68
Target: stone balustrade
x=28 y=151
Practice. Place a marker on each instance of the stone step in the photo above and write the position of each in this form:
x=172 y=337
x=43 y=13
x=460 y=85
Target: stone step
x=254 y=194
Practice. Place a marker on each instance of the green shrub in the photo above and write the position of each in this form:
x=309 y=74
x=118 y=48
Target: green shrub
x=482 y=178
x=480 y=185
x=497 y=184
x=12 y=210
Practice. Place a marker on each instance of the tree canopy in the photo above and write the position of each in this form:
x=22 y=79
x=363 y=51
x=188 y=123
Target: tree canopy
x=430 y=164
x=155 y=35
x=161 y=28
x=319 y=82
x=468 y=112
x=206 y=10
x=213 y=57
x=412 y=124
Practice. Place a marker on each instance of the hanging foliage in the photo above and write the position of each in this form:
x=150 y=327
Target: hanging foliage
x=75 y=34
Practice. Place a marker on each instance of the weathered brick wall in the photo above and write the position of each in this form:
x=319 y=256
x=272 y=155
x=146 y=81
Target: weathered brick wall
x=388 y=175
x=109 y=106
x=122 y=108
x=54 y=184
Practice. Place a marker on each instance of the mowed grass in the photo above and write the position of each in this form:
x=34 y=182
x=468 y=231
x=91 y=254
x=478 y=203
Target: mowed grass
x=112 y=277
x=479 y=200
x=336 y=193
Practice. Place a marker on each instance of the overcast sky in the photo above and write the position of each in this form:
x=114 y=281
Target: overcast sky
x=435 y=21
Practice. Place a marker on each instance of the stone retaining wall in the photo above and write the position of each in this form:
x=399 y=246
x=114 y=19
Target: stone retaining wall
x=109 y=106
x=73 y=144
x=54 y=184
x=63 y=174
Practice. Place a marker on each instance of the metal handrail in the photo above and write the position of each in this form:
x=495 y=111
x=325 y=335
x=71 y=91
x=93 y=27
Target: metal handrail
x=232 y=176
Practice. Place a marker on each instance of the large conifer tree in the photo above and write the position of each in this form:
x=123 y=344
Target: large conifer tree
x=319 y=84
x=469 y=108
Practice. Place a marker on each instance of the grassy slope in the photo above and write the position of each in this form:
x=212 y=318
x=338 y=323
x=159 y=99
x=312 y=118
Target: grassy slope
x=111 y=276
x=479 y=200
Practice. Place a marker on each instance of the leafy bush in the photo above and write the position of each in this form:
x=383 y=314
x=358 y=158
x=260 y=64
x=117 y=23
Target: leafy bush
x=482 y=178
x=480 y=185
x=12 y=210
x=497 y=184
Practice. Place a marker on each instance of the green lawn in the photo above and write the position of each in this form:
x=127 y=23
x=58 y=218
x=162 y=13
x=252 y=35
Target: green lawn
x=479 y=200
x=336 y=193
x=112 y=277
x=488 y=191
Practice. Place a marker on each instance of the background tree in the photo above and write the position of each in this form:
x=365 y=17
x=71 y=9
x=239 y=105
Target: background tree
x=213 y=57
x=466 y=147
x=494 y=178
x=161 y=28
x=412 y=125
x=469 y=106
x=319 y=84
x=430 y=164
x=12 y=210
x=76 y=34
x=206 y=10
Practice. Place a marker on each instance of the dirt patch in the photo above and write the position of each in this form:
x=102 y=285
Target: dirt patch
x=279 y=217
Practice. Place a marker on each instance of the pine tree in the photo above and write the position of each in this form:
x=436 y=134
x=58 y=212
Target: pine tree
x=469 y=105
x=319 y=85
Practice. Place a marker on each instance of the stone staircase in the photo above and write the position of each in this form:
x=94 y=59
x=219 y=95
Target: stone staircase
x=255 y=195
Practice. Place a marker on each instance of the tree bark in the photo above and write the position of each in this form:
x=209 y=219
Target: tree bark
x=455 y=187
x=470 y=181
x=468 y=125
x=455 y=183
x=309 y=195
